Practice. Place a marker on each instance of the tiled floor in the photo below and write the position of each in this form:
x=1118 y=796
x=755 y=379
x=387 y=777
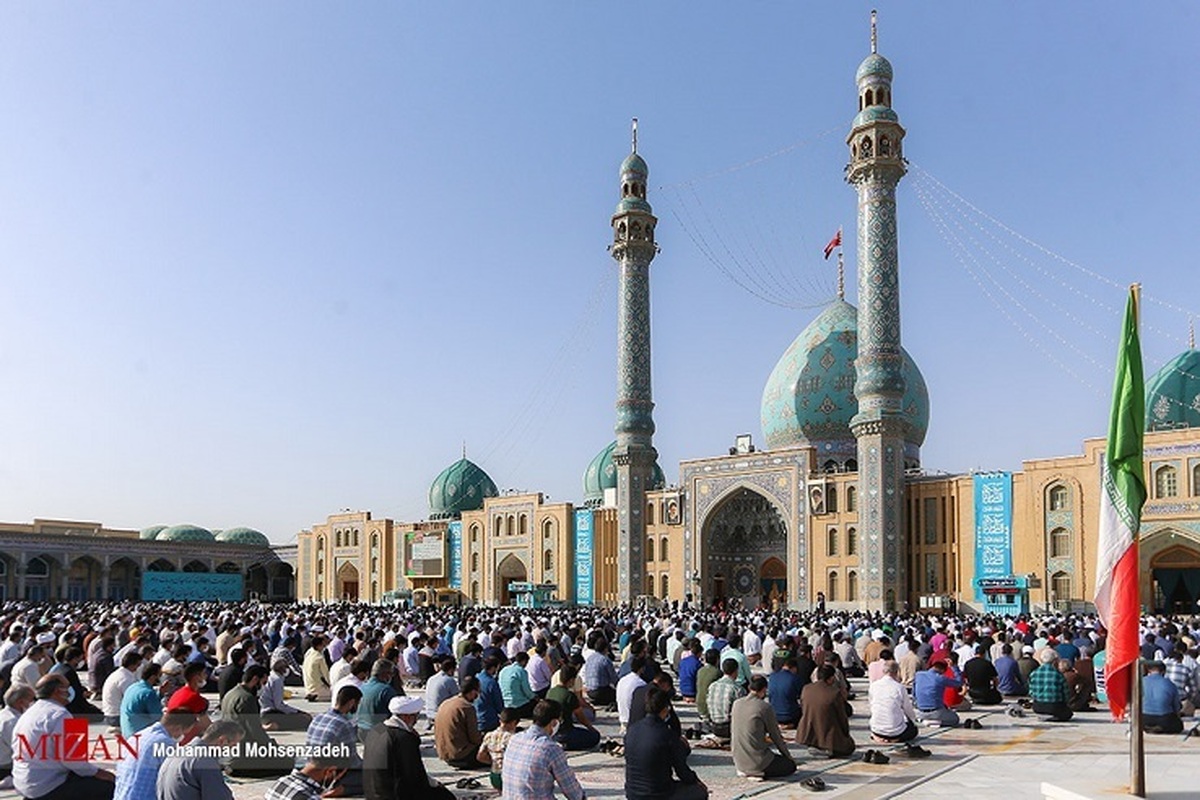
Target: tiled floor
x=1009 y=758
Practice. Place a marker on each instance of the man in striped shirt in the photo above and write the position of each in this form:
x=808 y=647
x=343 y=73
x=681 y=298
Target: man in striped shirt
x=534 y=763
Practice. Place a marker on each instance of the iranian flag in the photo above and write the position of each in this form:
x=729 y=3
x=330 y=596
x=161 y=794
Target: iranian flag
x=1121 y=499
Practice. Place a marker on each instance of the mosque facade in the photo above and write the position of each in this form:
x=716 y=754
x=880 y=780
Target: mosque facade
x=833 y=508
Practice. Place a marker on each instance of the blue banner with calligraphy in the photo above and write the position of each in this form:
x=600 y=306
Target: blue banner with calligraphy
x=456 y=554
x=584 y=587
x=200 y=586
x=993 y=527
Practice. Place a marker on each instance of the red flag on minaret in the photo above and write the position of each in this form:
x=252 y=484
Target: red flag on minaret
x=835 y=242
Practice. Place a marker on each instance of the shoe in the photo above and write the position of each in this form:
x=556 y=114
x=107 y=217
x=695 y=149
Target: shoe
x=916 y=751
x=875 y=757
x=1016 y=711
x=972 y=725
x=814 y=784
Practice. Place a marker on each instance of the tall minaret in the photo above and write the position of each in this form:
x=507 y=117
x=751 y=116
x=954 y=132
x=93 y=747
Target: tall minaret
x=633 y=248
x=876 y=166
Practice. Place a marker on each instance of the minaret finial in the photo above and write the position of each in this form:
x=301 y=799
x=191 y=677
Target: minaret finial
x=841 y=276
x=464 y=448
x=1191 y=334
x=874 y=36
x=635 y=134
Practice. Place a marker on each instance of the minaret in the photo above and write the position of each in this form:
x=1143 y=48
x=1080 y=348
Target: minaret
x=876 y=166
x=633 y=248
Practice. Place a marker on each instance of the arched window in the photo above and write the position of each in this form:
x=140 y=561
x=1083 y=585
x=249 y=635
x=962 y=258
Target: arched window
x=523 y=527
x=474 y=562
x=831 y=591
x=864 y=147
x=649 y=513
x=1058 y=498
x=1196 y=479
x=1060 y=584
x=374 y=566
x=320 y=544
x=510 y=528
x=548 y=529
x=356 y=537
x=851 y=542
x=338 y=538
x=474 y=591
x=650 y=585
x=38 y=567
x=829 y=467
x=650 y=549
x=1166 y=482
x=851 y=497
x=852 y=585
x=665 y=587
x=499 y=526
x=851 y=465
x=831 y=543
x=662 y=549
x=831 y=500
x=548 y=560
x=474 y=534
x=870 y=98
x=1060 y=543
x=375 y=542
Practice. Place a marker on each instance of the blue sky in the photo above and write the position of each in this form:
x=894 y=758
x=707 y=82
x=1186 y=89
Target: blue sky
x=262 y=262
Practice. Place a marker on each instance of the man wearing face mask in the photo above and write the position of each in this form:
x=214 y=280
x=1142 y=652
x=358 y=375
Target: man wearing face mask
x=195 y=773
x=16 y=701
x=137 y=777
x=45 y=775
x=28 y=671
x=68 y=666
x=142 y=704
x=310 y=782
x=338 y=727
x=534 y=762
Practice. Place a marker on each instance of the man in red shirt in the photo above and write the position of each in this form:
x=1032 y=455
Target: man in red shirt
x=188 y=698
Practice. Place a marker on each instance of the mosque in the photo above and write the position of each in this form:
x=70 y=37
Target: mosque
x=835 y=510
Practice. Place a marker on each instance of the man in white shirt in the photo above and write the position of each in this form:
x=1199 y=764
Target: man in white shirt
x=113 y=691
x=358 y=674
x=28 y=671
x=627 y=686
x=752 y=646
x=893 y=718
x=341 y=667
x=44 y=774
x=16 y=701
x=10 y=651
x=539 y=671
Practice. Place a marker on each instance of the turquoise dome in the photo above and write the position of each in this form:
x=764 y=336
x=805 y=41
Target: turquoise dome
x=1173 y=393
x=809 y=398
x=872 y=113
x=460 y=487
x=601 y=474
x=635 y=165
x=875 y=66
x=185 y=533
x=152 y=532
x=247 y=536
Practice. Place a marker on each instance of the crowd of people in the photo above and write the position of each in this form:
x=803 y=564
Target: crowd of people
x=507 y=693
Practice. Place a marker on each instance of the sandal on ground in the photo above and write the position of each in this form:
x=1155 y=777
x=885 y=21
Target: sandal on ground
x=813 y=784
x=916 y=751
x=467 y=783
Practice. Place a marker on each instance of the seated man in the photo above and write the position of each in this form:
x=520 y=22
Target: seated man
x=653 y=751
x=1010 y=681
x=337 y=728
x=137 y=775
x=753 y=723
x=825 y=724
x=721 y=696
x=929 y=688
x=276 y=713
x=392 y=764
x=456 y=728
x=1161 y=705
x=893 y=718
x=42 y=774
x=575 y=731
x=1048 y=689
x=982 y=679
x=783 y=690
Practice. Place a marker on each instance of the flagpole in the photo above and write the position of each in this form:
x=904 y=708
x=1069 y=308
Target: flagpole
x=1137 y=738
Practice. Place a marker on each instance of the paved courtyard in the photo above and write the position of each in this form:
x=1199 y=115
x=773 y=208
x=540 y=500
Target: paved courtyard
x=1009 y=758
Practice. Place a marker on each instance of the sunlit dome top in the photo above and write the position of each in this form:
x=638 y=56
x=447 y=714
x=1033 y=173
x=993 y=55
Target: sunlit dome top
x=1173 y=393
x=809 y=398
x=185 y=533
x=460 y=487
x=242 y=535
x=152 y=532
x=874 y=66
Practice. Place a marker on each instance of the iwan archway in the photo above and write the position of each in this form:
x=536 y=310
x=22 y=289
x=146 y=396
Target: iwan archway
x=744 y=551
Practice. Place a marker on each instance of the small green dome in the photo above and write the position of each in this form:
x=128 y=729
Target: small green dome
x=872 y=113
x=152 y=532
x=601 y=474
x=247 y=536
x=460 y=487
x=1173 y=393
x=809 y=398
x=635 y=165
x=874 y=66
x=185 y=533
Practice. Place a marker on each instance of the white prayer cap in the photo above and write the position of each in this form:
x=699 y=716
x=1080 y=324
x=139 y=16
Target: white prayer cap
x=405 y=704
x=45 y=637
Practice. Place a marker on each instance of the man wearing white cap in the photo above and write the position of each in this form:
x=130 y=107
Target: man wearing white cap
x=392 y=765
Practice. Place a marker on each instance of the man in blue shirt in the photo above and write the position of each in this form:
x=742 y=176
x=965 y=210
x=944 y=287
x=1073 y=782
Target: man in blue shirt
x=514 y=685
x=689 y=665
x=137 y=777
x=490 y=702
x=783 y=692
x=1011 y=683
x=1160 y=701
x=929 y=687
x=377 y=692
x=141 y=706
